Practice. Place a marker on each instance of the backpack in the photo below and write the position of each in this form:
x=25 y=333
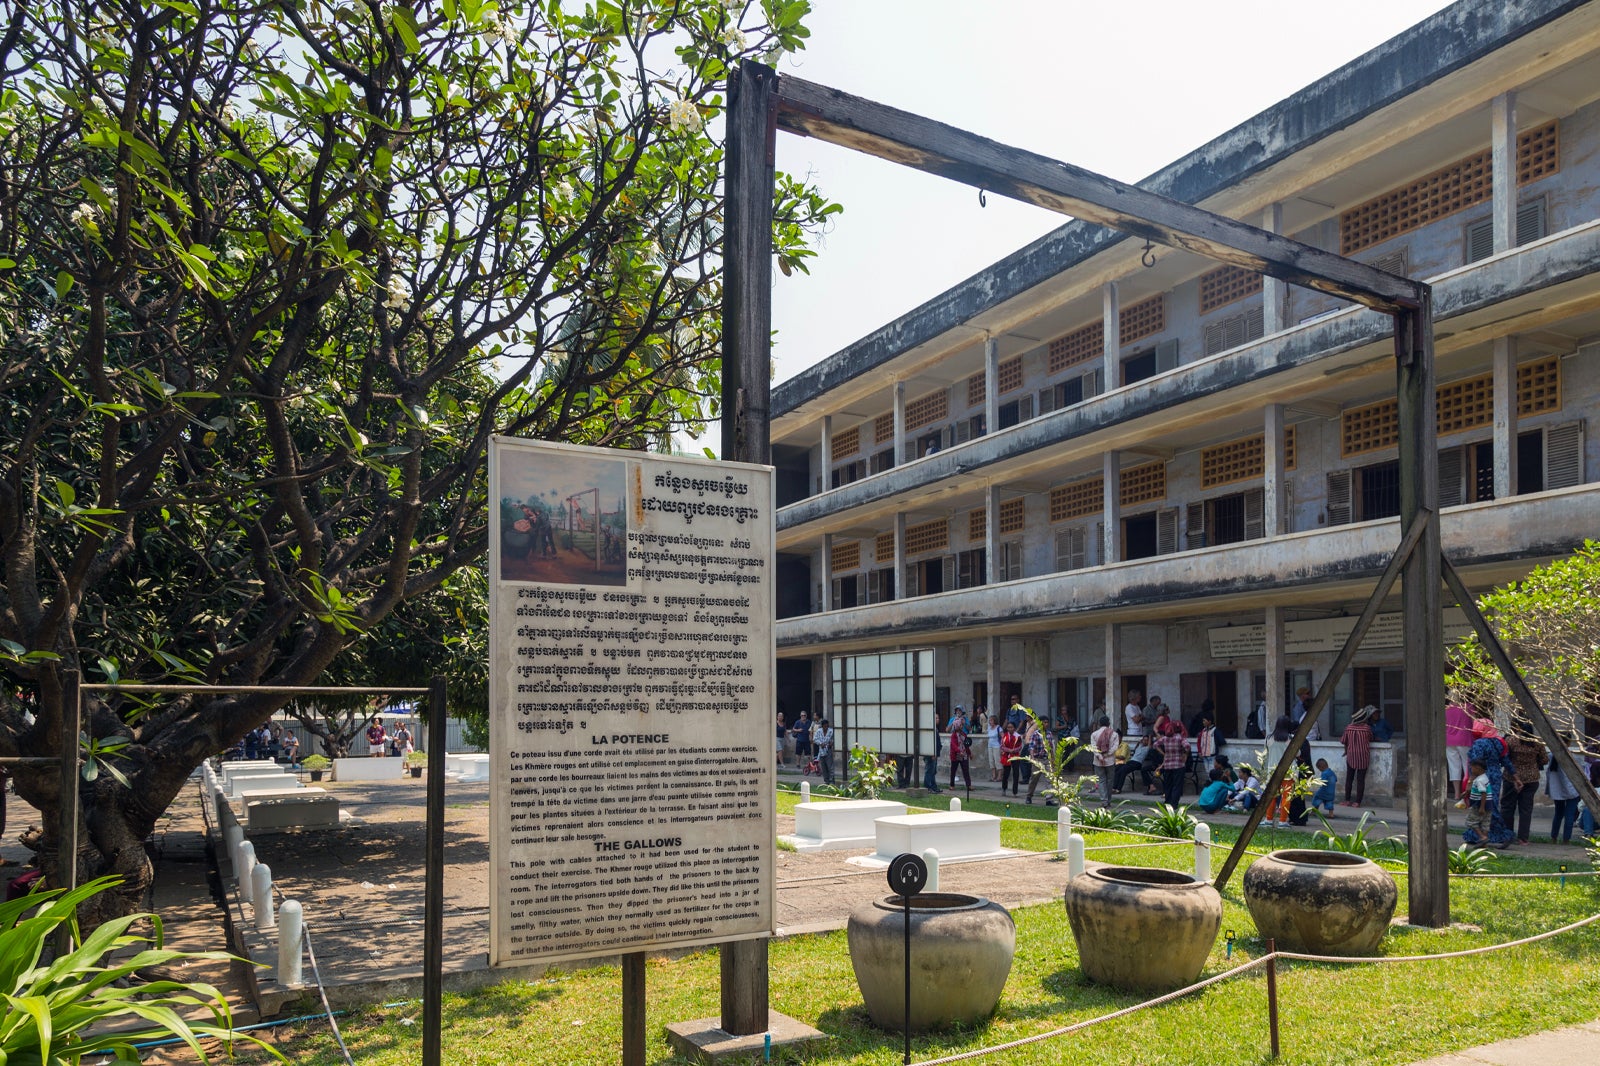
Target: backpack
x=1103 y=741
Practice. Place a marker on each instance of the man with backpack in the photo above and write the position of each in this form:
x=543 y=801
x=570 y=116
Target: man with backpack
x=1103 y=742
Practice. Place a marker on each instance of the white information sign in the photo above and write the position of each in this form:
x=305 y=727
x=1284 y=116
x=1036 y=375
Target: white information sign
x=631 y=701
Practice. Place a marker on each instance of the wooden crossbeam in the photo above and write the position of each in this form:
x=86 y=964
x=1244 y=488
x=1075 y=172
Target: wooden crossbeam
x=813 y=110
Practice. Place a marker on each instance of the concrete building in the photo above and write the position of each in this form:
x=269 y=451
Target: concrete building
x=1076 y=473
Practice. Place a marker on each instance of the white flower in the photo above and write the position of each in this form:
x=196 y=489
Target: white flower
x=229 y=115
x=683 y=115
x=733 y=5
x=399 y=297
x=236 y=254
x=86 y=216
x=651 y=250
x=734 y=38
x=587 y=123
x=562 y=190
x=496 y=25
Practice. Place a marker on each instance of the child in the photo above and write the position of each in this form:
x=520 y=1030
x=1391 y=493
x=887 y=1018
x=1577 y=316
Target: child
x=1479 y=795
x=1322 y=798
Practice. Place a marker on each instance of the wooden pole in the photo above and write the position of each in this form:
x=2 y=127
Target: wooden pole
x=1428 y=885
x=633 y=1003
x=67 y=827
x=433 y=882
x=746 y=390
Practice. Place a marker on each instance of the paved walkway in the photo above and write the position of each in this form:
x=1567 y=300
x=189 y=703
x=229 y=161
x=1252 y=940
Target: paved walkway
x=1575 y=1045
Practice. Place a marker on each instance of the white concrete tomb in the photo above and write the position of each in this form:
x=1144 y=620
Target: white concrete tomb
x=841 y=824
x=955 y=835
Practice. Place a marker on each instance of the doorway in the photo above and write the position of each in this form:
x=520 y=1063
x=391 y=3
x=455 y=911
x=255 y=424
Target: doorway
x=1221 y=687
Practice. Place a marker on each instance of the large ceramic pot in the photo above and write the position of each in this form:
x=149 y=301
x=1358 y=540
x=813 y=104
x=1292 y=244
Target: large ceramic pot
x=1143 y=930
x=1323 y=902
x=961 y=949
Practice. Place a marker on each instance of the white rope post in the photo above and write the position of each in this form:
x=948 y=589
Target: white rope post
x=805 y=792
x=931 y=857
x=955 y=803
x=1063 y=826
x=232 y=837
x=261 y=892
x=1074 y=856
x=291 y=928
x=246 y=867
x=1202 y=852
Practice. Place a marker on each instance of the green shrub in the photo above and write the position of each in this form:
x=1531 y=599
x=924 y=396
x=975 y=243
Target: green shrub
x=1169 y=821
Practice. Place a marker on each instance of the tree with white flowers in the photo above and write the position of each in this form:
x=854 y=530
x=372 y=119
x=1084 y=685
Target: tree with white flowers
x=271 y=273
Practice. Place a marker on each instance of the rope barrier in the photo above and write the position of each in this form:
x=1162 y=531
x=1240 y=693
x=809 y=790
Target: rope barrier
x=1244 y=968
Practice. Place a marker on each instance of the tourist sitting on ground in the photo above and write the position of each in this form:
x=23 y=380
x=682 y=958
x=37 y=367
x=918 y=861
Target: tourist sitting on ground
x=1247 y=791
x=1221 y=763
x=1215 y=795
x=1322 y=798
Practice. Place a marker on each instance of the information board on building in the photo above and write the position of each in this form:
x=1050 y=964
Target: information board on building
x=1327 y=635
x=631 y=701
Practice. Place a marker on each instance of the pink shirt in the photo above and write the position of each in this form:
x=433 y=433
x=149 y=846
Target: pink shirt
x=1457 y=727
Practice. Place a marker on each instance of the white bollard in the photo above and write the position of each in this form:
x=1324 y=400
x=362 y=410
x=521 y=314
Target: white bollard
x=246 y=867
x=1074 y=856
x=955 y=803
x=805 y=792
x=1063 y=827
x=219 y=806
x=1202 y=852
x=290 y=928
x=931 y=857
x=261 y=892
x=232 y=837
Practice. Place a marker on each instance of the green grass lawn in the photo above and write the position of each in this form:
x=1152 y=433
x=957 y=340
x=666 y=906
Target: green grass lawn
x=1368 y=1014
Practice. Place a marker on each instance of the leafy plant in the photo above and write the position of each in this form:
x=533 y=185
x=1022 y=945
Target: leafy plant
x=1054 y=765
x=1102 y=817
x=1467 y=859
x=416 y=758
x=316 y=762
x=1360 y=840
x=82 y=1004
x=869 y=775
x=1169 y=821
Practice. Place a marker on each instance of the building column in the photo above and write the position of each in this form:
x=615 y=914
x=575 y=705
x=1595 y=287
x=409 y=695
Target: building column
x=1273 y=486
x=900 y=586
x=1505 y=417
x=992 y=676
x=899 y=423
x=1503 y=160
x=1111 y=508
x=827 y=686
x=1114 y=701
x=1274 y=293
x=827 y=571
x=1111 y=321
x=991 y=384
x=827 y=453
x=991 y=534
x=1277 y=699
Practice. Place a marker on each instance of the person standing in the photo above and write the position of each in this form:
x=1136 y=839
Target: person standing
x=996 y=765
x=376 y=736
x=1037 y=747
x=822 y=740
x=1457 y=739
x=1174 y=757
x=930 y=767
x=1565 y=796
x=1017 y=715
x=1010 y=758
x=1527 y=758
x=1205 y=741
x=960 y=749
x=802 y=740
x=402 y=739
x=1133 y=722
x=1357 y=741
x=783 y=734
x=1103 y=742
x=1489 y=752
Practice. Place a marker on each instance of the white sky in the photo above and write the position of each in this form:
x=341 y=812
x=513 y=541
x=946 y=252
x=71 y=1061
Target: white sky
x=1119 y=88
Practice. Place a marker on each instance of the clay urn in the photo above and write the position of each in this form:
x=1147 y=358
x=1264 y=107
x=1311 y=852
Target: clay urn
x=1141 y=929
x=1320 y=902
x=961 y=950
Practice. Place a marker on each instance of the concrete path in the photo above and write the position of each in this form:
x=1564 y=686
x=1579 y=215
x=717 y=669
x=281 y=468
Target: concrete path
x=1576 y=1045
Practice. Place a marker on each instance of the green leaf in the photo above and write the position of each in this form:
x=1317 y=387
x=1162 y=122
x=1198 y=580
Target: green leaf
x=63 y=284
x=405 y=25
x=67 y=493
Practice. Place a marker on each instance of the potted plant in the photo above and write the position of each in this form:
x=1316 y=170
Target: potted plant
x=415 y=761
x=316 y=764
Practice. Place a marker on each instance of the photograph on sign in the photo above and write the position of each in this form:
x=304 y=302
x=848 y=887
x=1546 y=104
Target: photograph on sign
x=631 y=699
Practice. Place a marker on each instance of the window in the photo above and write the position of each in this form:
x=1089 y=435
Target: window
x=1072 y=549
x=1227 y=519
x=968 y=428
x=1019 y=410
x=846 y=556
x=1530 y=227
x=1147 y=535
x=1080 y=498
x=1150 y=362
x=977 y=524
x=883 y=460
x=927 y=537
x=1009 y=375
x=883 y=429
x=1013 y=516
x=1079 y=346
x=1069 y=392
x=976 y=389
x=1144 y=483
x=1550 y=458
x=1009 y=565
x=1142 y=319
x=1377 y=491
x=1539 y=386
x=929 y=443
x=972 y=568
x=1234 y=331
x=847 y=592
x=846 y=443
x=926 y=410
x=1466 y=473
x=1225 y=284
x=1383 y=687
x=880 y=585
x=844 y=475
x=883 y=547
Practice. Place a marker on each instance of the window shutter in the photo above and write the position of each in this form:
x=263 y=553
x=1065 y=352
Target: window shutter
x=949 y=572
x=1071 y=549
x=861 y=587
x=963 y=431
x=1480 y=240
x=1530 y=222
x=1563 y=455
x=1011 y=561
x=1254 y=324
x=1024 y=408
x=1167 y=355
x=1194 y=525
x=1047 y=400
x=1339 y=497
x=1099 y=542
x=913 y=579
x=964 y=570
x=838 y=587
x=947 y=439
x=874 y=586
x=1094 y=382
x=1255 y=512
x=1166 y=531
x=1450 y=482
